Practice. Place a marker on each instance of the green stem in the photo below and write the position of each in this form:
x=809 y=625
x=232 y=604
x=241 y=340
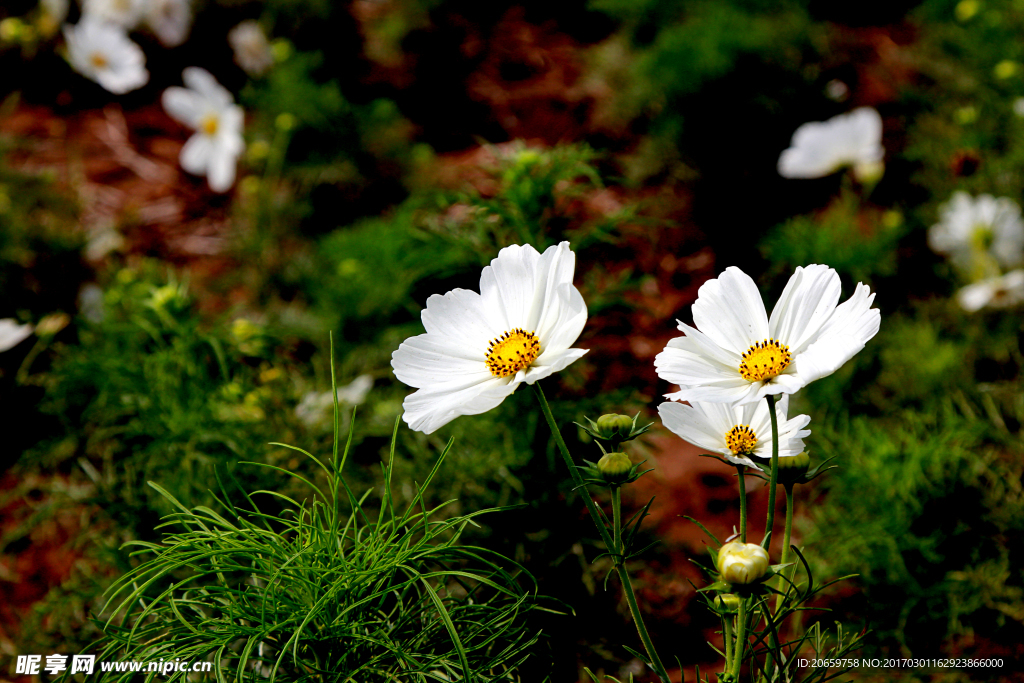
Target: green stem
x=617 y=524
x=785 y=542
x=727 y=633
x=774 y=476
x=741 y=638
x=627 y=586
x=743 y=503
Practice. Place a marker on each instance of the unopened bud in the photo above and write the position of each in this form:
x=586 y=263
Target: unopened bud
x=795 y=464
x=727 y=603
x=742 y=563
x=614 y=467
x=613 y=426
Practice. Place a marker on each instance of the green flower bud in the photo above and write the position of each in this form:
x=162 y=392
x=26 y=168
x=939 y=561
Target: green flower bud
x=613 y=426
x=727 y=603
x=795 y=464
x=614 y=467
x=742 y=563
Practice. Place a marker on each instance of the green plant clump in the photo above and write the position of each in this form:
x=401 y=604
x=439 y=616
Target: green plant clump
x=318 y=592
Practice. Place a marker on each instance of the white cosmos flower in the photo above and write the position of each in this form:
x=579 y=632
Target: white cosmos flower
x=12 y=334
x=125 y=13
x=736 y=432
x=208 y=108
x=316 y=406
x=968 y=228
x=170 y=20
x=252 y=51
x=102 y=51
x=480 y=347
x=821 y=148
x=736 y=354
x=996 y=292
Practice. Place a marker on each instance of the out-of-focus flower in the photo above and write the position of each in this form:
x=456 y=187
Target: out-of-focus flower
x=837 y=90
x=971 y=229
x=125 y=13
x=736 y=432
x=209 y=109
x=316 y=406
x=252 y=51
x=742 y=563
x=996 y=292
x=102 y=242
x=1006 y=69
x=102 y=51
x=90 y=303
x=12 y=333
x=1018 y=106
x=53 y=14
x=821 y=148
x=170 y=20
x=479 y=348
x=736 y=354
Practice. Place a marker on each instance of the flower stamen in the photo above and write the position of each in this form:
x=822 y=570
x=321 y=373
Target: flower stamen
x=209 y=124
x=99 y=60
x=765 y=360
x=741 y=440
x=511 y=352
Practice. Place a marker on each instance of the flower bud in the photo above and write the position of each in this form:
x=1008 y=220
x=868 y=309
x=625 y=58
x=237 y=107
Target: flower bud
x=727 y=603
x=614 y=467
x=742 y=563
x=795 y=464
x=613 y=426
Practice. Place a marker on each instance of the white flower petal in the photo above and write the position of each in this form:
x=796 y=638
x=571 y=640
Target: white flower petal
x=220 y=173
x=692 y=425
x=196 y=154
x=807 y=302
x=846 y=332
x=730 y=311
x=203 y=82
x=184 y=105
x=12 y=333
x=427 y=410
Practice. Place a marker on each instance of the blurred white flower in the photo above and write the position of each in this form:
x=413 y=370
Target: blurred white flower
x=1018 y=106
x=837 y=90
x=317 y=406
x=102 y=52
x=12 y=334
x=125 y=13
x=972 y=229
x=90 y=303
x=996 y=292
x=209 y=109
x=170 y=20
x=56 y=10
x=821 y=148
x=252 y=51
x=736 y=432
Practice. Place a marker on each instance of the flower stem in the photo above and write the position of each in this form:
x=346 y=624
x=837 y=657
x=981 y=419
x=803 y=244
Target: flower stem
x=774 y=476
x=743 y=503
x=617 y=524
x=785 y=542
x=727 y=636
x=741 y=639
x=609 y=543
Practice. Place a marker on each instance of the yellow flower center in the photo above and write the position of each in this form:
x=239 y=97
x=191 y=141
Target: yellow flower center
x=511 y=352
x=741 y=440
x=982 y=236
x=765 y=360
x=209 y=124
x=98 y=60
